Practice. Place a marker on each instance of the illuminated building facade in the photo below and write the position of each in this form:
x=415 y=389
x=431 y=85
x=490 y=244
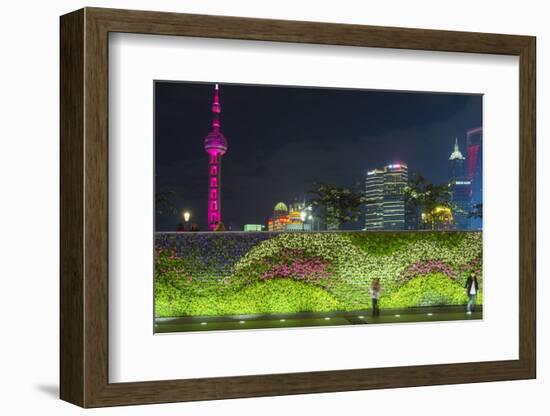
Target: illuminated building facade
x=439 y=218
x=396 y=177
x=461 y=188
x=385 y=197
x=280 y=218
x=374 y=213
x=457 y=163
x=215 y=145
x=297 y=218
x=253 y=227
x=294 y=218
x=474 y=158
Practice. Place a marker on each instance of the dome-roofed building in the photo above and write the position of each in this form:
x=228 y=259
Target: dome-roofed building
x=279 y=219
x=281 y=207
x=288 y=219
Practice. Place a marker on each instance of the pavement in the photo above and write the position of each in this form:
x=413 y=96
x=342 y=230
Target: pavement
x=308 y=319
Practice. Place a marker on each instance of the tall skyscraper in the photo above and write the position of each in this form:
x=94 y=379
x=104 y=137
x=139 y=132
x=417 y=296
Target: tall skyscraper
x=474 y=158
x=385 y=197
x=457 y=163
x=374 y=214
x=461 y=187
x=215 y=145
x=396 y=177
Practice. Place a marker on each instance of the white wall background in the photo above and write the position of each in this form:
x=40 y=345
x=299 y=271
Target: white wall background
x=29 y=159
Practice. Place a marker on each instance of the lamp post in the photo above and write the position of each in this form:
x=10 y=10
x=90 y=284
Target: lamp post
x=186 y=216
x=303 y=216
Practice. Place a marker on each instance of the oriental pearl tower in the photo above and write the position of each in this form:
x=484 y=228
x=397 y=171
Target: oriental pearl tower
x=215 y=145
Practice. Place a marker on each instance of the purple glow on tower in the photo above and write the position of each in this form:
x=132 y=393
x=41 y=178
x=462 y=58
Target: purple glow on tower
x=215 y=145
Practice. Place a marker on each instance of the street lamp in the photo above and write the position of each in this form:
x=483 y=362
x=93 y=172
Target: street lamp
x=303 y=216
x=186 y=216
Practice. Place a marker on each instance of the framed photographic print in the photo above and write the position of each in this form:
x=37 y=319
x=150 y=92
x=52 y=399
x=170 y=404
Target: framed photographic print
x=256 y=207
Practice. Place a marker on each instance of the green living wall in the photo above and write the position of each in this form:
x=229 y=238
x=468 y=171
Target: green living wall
x=200 y=274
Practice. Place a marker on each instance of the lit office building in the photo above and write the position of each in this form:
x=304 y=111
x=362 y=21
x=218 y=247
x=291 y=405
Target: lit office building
x=461 y=188
x=374 y=213
x=460 y=197
x=474 y=159
x=457 y=163
x=395 y=180
x=385 y=197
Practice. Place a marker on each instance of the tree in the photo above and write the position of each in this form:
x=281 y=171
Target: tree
x=426 y=197
x=337 y=205
x=164 y=202
x=477 y=212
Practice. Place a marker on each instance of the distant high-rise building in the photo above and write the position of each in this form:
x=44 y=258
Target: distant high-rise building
x=461 y=187
x=457 y=163
x=474 y=159
x=395 y=180
x=385 y=197
x=374 y=214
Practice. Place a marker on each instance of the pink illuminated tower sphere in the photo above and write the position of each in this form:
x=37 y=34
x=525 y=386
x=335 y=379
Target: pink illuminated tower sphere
x=215 y=145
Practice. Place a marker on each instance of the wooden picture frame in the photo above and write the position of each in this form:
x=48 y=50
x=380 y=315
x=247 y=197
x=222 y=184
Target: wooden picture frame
x=84 y=207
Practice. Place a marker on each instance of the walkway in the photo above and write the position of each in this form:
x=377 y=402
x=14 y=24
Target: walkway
x=388 y=316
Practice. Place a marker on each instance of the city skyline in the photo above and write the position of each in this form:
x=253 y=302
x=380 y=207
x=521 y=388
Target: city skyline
x=284 y=139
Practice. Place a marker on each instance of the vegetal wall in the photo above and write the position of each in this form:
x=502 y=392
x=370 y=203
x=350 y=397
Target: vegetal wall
x=200 y=274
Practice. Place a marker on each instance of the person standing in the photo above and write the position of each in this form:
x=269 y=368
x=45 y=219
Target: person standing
x=375 y=295
x=472 y=287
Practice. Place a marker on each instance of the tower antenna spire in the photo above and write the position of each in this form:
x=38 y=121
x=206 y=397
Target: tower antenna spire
x=216 y=109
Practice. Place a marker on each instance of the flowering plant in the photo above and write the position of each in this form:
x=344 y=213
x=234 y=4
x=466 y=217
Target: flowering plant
x=211 y=273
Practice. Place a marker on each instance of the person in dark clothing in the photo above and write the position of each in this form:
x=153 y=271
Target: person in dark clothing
x=375 y=295
x=472 y=288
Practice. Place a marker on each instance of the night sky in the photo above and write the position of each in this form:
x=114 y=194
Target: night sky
x=283 y=139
